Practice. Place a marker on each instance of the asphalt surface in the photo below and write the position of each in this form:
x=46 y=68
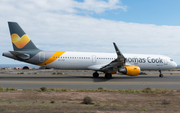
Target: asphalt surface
x=24 y=81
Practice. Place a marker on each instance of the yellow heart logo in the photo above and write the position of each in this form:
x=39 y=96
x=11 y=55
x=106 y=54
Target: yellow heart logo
x=20 y=42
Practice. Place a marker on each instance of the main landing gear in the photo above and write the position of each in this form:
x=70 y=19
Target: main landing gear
x=95 y=74
x=107 y=75
x=160 y=75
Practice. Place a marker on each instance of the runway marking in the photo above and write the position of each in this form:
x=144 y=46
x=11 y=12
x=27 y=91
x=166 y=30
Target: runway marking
x=59 y=82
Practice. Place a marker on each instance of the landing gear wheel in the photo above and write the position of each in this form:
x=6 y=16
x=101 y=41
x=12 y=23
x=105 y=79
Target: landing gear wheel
x=95 y=75
x=108 y=75
x=160 y=75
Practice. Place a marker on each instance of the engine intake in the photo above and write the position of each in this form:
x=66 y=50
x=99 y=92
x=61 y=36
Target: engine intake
x=130 y=70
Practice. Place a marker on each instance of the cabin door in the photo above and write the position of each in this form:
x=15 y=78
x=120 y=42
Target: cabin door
x=165 y=62
x=41 y=56
x=93 y=59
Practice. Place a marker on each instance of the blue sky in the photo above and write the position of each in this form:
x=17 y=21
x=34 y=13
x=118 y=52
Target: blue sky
x=158 y=12
x=137 y=26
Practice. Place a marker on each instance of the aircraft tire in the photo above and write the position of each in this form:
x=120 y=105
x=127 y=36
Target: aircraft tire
x=108 y=75
x=95 y=75
x=161 y=75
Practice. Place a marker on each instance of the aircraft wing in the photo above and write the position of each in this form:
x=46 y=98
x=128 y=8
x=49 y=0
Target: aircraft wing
x=115 y=64
x=96 y=67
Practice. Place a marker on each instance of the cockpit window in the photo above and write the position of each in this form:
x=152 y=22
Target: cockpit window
x=171 y=59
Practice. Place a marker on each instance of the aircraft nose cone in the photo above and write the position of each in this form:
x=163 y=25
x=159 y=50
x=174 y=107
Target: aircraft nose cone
x=175 y=65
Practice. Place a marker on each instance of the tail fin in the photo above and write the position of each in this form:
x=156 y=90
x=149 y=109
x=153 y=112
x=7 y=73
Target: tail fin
x=20 y=41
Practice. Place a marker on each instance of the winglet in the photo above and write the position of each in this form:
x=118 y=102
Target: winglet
x=120 y=56
x=117 y=50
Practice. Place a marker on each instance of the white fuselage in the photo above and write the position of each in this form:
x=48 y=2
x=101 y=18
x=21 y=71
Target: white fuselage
x=90 y=60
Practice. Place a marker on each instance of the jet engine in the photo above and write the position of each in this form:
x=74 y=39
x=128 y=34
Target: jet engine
x=130 y=70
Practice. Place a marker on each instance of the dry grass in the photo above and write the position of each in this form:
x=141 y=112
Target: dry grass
x=110 y=100
x=103 y=102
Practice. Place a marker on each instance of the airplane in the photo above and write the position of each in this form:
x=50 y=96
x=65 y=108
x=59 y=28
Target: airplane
x=109 y=63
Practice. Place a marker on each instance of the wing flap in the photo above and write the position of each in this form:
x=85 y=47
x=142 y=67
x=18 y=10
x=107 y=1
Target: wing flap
x=96 y=67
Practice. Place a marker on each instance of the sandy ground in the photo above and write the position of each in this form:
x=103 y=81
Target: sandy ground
x=71 y=102
x=108 y=102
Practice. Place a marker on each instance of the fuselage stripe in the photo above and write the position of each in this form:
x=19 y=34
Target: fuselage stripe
x=53 y=57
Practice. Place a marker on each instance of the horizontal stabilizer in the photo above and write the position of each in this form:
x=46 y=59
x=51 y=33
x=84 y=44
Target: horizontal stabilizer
x=20 y=55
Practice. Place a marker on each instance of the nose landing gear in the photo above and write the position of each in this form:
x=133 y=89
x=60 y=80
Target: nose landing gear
x=160 y=75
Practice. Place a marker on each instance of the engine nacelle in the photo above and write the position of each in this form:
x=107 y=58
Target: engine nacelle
x=130 y=70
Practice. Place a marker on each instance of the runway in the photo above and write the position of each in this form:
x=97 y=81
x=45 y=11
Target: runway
x=24 y=81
